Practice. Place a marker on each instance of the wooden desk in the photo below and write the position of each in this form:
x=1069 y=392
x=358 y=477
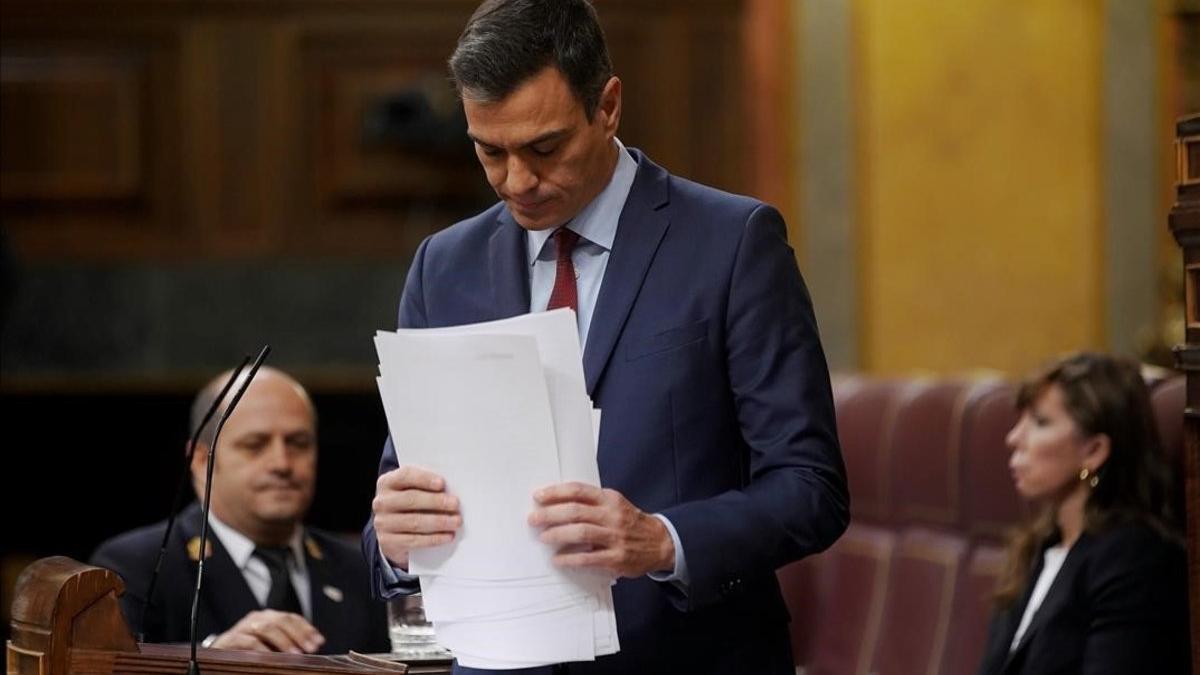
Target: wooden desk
x=66 y=619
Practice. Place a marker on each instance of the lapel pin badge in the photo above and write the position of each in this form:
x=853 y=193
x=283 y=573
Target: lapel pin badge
x=334 y=594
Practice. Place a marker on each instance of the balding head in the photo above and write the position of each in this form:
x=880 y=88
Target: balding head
x=265 y=468
x=209 y=393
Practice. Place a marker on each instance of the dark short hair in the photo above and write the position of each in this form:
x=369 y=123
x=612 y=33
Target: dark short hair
x=506 y=42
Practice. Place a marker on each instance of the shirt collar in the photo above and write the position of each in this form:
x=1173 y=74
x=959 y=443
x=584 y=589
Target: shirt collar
x=597 y=222
x=241 y=548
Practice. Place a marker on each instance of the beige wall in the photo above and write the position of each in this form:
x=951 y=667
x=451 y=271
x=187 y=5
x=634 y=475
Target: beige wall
x=978 y=182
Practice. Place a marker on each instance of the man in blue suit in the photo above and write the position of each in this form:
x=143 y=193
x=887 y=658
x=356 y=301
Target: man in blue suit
x=718 y=450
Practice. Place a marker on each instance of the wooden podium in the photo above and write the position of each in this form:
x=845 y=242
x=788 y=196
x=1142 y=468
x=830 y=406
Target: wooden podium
x=66 y=620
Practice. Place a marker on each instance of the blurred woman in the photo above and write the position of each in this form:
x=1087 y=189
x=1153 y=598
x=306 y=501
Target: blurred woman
x=1097 y=583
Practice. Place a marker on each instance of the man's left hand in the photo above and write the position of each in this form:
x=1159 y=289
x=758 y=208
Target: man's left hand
x=598 y=528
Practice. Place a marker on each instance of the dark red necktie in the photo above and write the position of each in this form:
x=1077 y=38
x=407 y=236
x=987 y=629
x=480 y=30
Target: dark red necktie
x=564 y=294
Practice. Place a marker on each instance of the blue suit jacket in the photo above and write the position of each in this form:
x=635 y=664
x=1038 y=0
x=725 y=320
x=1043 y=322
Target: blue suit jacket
x=704 y=356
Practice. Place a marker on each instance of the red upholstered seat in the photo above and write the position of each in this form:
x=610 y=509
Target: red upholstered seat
x=924 y=448
x=990 y=504
x=851 y=582
x=972 y=611
x=1169 y=398
x=844 y=385
x=926 y=570
x=908 y=588
x=865 y=408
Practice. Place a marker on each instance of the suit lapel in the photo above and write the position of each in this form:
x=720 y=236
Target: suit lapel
x=508 y=260
x=326 y=595
x=640 y=230
x=1000 y=635
x=224 y=590
x=1058 y=595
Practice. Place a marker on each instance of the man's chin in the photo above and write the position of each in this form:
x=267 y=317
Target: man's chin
x=281 y=511
x=534 y=225
x=535 y=219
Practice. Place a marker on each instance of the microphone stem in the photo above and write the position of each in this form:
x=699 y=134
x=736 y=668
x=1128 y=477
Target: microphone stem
x=193 y=664
x=177 y=501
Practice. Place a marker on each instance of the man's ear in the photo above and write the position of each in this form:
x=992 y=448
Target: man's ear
x=199 y=463
x=608 y=110
x=1096 y=452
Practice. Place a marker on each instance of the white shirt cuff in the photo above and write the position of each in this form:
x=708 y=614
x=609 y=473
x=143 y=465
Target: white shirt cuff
x=679 y=576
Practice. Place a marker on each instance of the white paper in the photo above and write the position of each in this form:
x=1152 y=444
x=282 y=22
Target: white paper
x=499 y=410
x=549 y=637
x=474 y=410
x=562 y=360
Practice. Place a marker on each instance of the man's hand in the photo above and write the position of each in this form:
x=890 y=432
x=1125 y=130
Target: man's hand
x=599 y=528
x=412 y=510
x=271 y=631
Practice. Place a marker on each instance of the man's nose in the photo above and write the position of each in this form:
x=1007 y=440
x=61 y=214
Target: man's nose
x=520 y=177
x=277 y=457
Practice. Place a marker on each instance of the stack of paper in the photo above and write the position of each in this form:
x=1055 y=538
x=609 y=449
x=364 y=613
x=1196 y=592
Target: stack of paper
x=499 y=410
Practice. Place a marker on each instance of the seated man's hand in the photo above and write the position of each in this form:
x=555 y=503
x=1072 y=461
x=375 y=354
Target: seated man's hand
x=598 y=528
x=411 y=511
x=269 y=630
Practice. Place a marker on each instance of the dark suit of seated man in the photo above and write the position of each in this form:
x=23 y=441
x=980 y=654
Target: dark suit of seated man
x=270 y=583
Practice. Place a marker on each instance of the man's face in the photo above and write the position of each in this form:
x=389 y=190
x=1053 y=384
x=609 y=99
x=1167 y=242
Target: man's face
x=266 y=460
x=540 y=152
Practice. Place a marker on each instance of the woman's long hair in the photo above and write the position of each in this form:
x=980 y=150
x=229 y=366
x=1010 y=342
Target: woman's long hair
x=1106 y=395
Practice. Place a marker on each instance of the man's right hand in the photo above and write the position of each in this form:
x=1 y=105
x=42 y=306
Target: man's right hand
x=269 y=630
x=411 y=511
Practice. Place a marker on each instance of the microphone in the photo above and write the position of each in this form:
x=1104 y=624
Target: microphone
x=177 y=502
x=193 y=665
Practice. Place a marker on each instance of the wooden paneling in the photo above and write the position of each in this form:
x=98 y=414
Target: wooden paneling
x=88 y=158
x=371 y=99
x=305 y=128
x=71 y=126
x=385 y=156
x=681 y=68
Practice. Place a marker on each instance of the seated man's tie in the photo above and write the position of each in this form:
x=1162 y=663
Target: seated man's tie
x=282 y=595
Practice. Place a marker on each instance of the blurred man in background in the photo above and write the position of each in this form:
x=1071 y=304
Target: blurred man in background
x=271 y=584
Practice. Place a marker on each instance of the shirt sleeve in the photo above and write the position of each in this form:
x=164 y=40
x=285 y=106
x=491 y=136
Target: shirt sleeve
x=679 y=576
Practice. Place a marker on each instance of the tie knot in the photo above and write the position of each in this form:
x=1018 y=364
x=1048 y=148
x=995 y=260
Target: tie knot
x=276 y=558
x=564 y=242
